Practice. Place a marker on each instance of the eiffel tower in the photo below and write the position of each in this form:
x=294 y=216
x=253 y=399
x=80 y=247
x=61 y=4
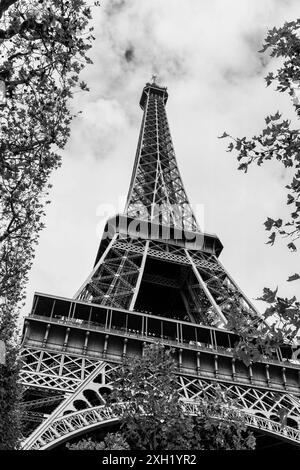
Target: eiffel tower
x=156 y=276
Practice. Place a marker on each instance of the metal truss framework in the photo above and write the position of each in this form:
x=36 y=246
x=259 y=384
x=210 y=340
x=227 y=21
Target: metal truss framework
x=60 y=372
x=208 y=289
x=80 y=422
x=85 y=409
x=156 y=194
x=156 y=191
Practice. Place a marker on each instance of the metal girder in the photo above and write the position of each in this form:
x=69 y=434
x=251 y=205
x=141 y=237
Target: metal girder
x=33 y=416
x=114 y=279
x=259 y=409
x=96 y=381
x=48 y=370
x=49 y=400
x=117 y=278
x=67 y=427
x=266 y=403
x=156 y=190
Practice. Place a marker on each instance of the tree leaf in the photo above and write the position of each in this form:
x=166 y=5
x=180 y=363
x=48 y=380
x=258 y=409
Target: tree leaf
x=223 y=135
x=269 y=223
x=294 y=277
x=268 y=295
x=292 y=247
x=272 y=239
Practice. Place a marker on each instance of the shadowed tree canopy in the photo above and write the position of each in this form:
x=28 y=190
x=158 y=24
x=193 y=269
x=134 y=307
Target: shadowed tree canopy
x=43 y=48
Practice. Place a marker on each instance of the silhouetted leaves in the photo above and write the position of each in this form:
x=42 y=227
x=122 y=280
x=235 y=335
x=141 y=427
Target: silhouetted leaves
x=268 y=295
x=294 y=277
x=269 y=223
x=272 y=238
x=278 y=141
x=223 y=135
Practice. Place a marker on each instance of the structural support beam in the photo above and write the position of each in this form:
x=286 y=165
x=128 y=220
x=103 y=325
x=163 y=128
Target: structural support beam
x=205 y=289
x=139 y=279
x=89 y=278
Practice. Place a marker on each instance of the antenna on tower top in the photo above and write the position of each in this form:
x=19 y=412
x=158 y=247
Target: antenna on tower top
x=154 y=77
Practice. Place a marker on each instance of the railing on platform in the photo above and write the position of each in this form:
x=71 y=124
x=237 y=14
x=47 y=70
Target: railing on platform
x=193 y=345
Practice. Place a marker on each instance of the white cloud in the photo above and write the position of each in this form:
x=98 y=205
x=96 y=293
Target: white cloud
x=97 y=127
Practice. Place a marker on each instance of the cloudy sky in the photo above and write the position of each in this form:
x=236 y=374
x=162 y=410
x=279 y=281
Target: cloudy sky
x=205 y=52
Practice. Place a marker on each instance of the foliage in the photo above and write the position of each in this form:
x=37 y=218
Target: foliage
x=10 y=390
x=258 y=338
x=219 y=427
x=112 y=441
x=43 y=49
x=153 y=415
x=149 y=383
x=277 y=141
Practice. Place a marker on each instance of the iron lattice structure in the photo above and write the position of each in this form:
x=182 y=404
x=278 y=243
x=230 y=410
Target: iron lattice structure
x=156 y=276
x=156 y=190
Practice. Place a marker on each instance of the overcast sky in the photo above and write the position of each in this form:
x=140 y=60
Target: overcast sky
x=206 y=53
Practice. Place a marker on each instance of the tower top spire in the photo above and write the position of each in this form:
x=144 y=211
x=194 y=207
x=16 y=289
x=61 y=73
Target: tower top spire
x=151 y=88
x=154 y=78
x=156 y=190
